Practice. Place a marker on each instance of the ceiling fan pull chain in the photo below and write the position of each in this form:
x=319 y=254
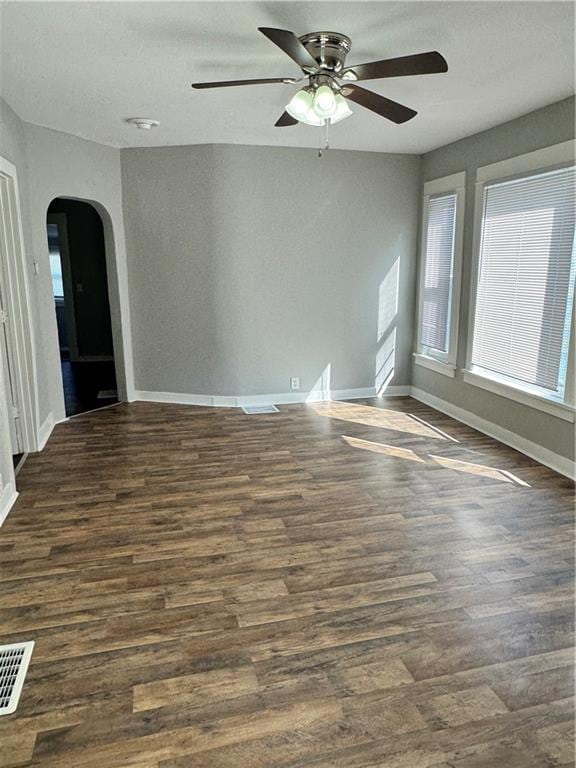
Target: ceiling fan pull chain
x=326 y=135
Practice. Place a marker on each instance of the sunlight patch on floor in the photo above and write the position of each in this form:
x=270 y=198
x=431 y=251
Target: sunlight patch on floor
x=387 y=450
x=479 y=469
x=395 y=452
x=377 y=417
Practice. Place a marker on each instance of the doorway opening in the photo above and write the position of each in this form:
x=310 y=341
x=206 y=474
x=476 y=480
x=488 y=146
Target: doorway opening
x=77 y=251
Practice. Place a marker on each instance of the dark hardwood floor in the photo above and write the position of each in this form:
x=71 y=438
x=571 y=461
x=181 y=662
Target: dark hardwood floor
x=349 y=585
x=88 y=385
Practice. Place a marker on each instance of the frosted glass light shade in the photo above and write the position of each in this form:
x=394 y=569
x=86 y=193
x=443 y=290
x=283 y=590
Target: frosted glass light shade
x=312 y=118
x=300 y=104
x=342 y=109
x=303 y=106
x=324 y=101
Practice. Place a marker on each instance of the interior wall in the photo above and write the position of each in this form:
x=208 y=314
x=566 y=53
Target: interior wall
x=249 y=265
x=542 y=128
x=60 y=165
x=51 y=164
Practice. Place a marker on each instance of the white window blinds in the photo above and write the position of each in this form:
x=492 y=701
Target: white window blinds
x=438 y=267
x=526 y=279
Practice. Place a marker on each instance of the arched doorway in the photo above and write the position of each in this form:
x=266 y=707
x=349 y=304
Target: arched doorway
x=77 y=247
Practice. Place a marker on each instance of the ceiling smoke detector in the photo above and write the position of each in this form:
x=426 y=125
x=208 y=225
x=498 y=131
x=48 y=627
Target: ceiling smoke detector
x=144 y=123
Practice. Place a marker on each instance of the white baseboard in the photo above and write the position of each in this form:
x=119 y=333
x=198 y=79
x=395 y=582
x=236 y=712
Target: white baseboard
x=543 y=455
x=8 y=496
x=278 y=398
x=45 y=431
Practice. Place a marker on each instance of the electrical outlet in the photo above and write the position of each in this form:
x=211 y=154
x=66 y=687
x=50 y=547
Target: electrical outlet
x=294 y=382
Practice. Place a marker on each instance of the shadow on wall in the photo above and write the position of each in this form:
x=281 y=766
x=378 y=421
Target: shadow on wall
x=387 y=319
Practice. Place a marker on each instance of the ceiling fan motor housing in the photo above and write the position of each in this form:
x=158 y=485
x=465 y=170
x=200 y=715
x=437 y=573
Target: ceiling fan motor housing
x=328 y=49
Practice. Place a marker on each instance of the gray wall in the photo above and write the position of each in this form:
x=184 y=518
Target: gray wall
x=551 y=125
x=248 y=265
x=60 y=165
x=51 y=164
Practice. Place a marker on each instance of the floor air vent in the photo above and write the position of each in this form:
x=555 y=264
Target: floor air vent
x=14 y=660
x=253 y=409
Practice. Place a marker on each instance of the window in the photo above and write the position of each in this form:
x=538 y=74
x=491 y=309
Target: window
x=525 y=283
x=440 y=266
x=55 y=262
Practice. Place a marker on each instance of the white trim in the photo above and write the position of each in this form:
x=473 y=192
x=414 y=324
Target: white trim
x=518 y=394
x=445 y=184
x=8 y=496
x=19 y=308
x=544 y=456
x=282 y=398
x=531 y=161
x=540 y=160
x=454 y=184
x=446 y=369
x=45 y=430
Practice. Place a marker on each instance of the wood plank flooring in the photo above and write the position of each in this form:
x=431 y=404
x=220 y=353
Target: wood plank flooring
x=350 y=585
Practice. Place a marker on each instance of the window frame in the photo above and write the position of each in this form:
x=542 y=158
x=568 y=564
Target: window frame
x=543 y=160
x=444 y=363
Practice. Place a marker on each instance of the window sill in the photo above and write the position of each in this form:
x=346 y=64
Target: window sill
x=446 y=369
x=559 y=410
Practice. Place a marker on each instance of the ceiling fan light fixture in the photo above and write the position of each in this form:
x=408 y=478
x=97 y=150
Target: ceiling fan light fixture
x=324 y=101
x=311 y=118
x=300 y=104
x=342 y=109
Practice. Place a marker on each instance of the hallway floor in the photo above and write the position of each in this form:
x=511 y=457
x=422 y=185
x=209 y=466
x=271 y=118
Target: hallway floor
x=88 y=386
x=337 y=585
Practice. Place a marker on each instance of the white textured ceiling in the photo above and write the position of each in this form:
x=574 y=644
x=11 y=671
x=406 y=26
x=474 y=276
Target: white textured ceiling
x=83 y=67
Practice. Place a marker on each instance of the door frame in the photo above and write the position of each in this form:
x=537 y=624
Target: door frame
x=18 y=305
x=119 y=307
x=8 y=363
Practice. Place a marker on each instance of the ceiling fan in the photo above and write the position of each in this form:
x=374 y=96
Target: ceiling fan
x=331 y=84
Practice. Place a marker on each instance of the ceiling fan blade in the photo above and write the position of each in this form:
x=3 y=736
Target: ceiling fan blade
x=284 y=120
x=290 y=45
x=428 y=63
x=387 y=108
x=257 y=81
